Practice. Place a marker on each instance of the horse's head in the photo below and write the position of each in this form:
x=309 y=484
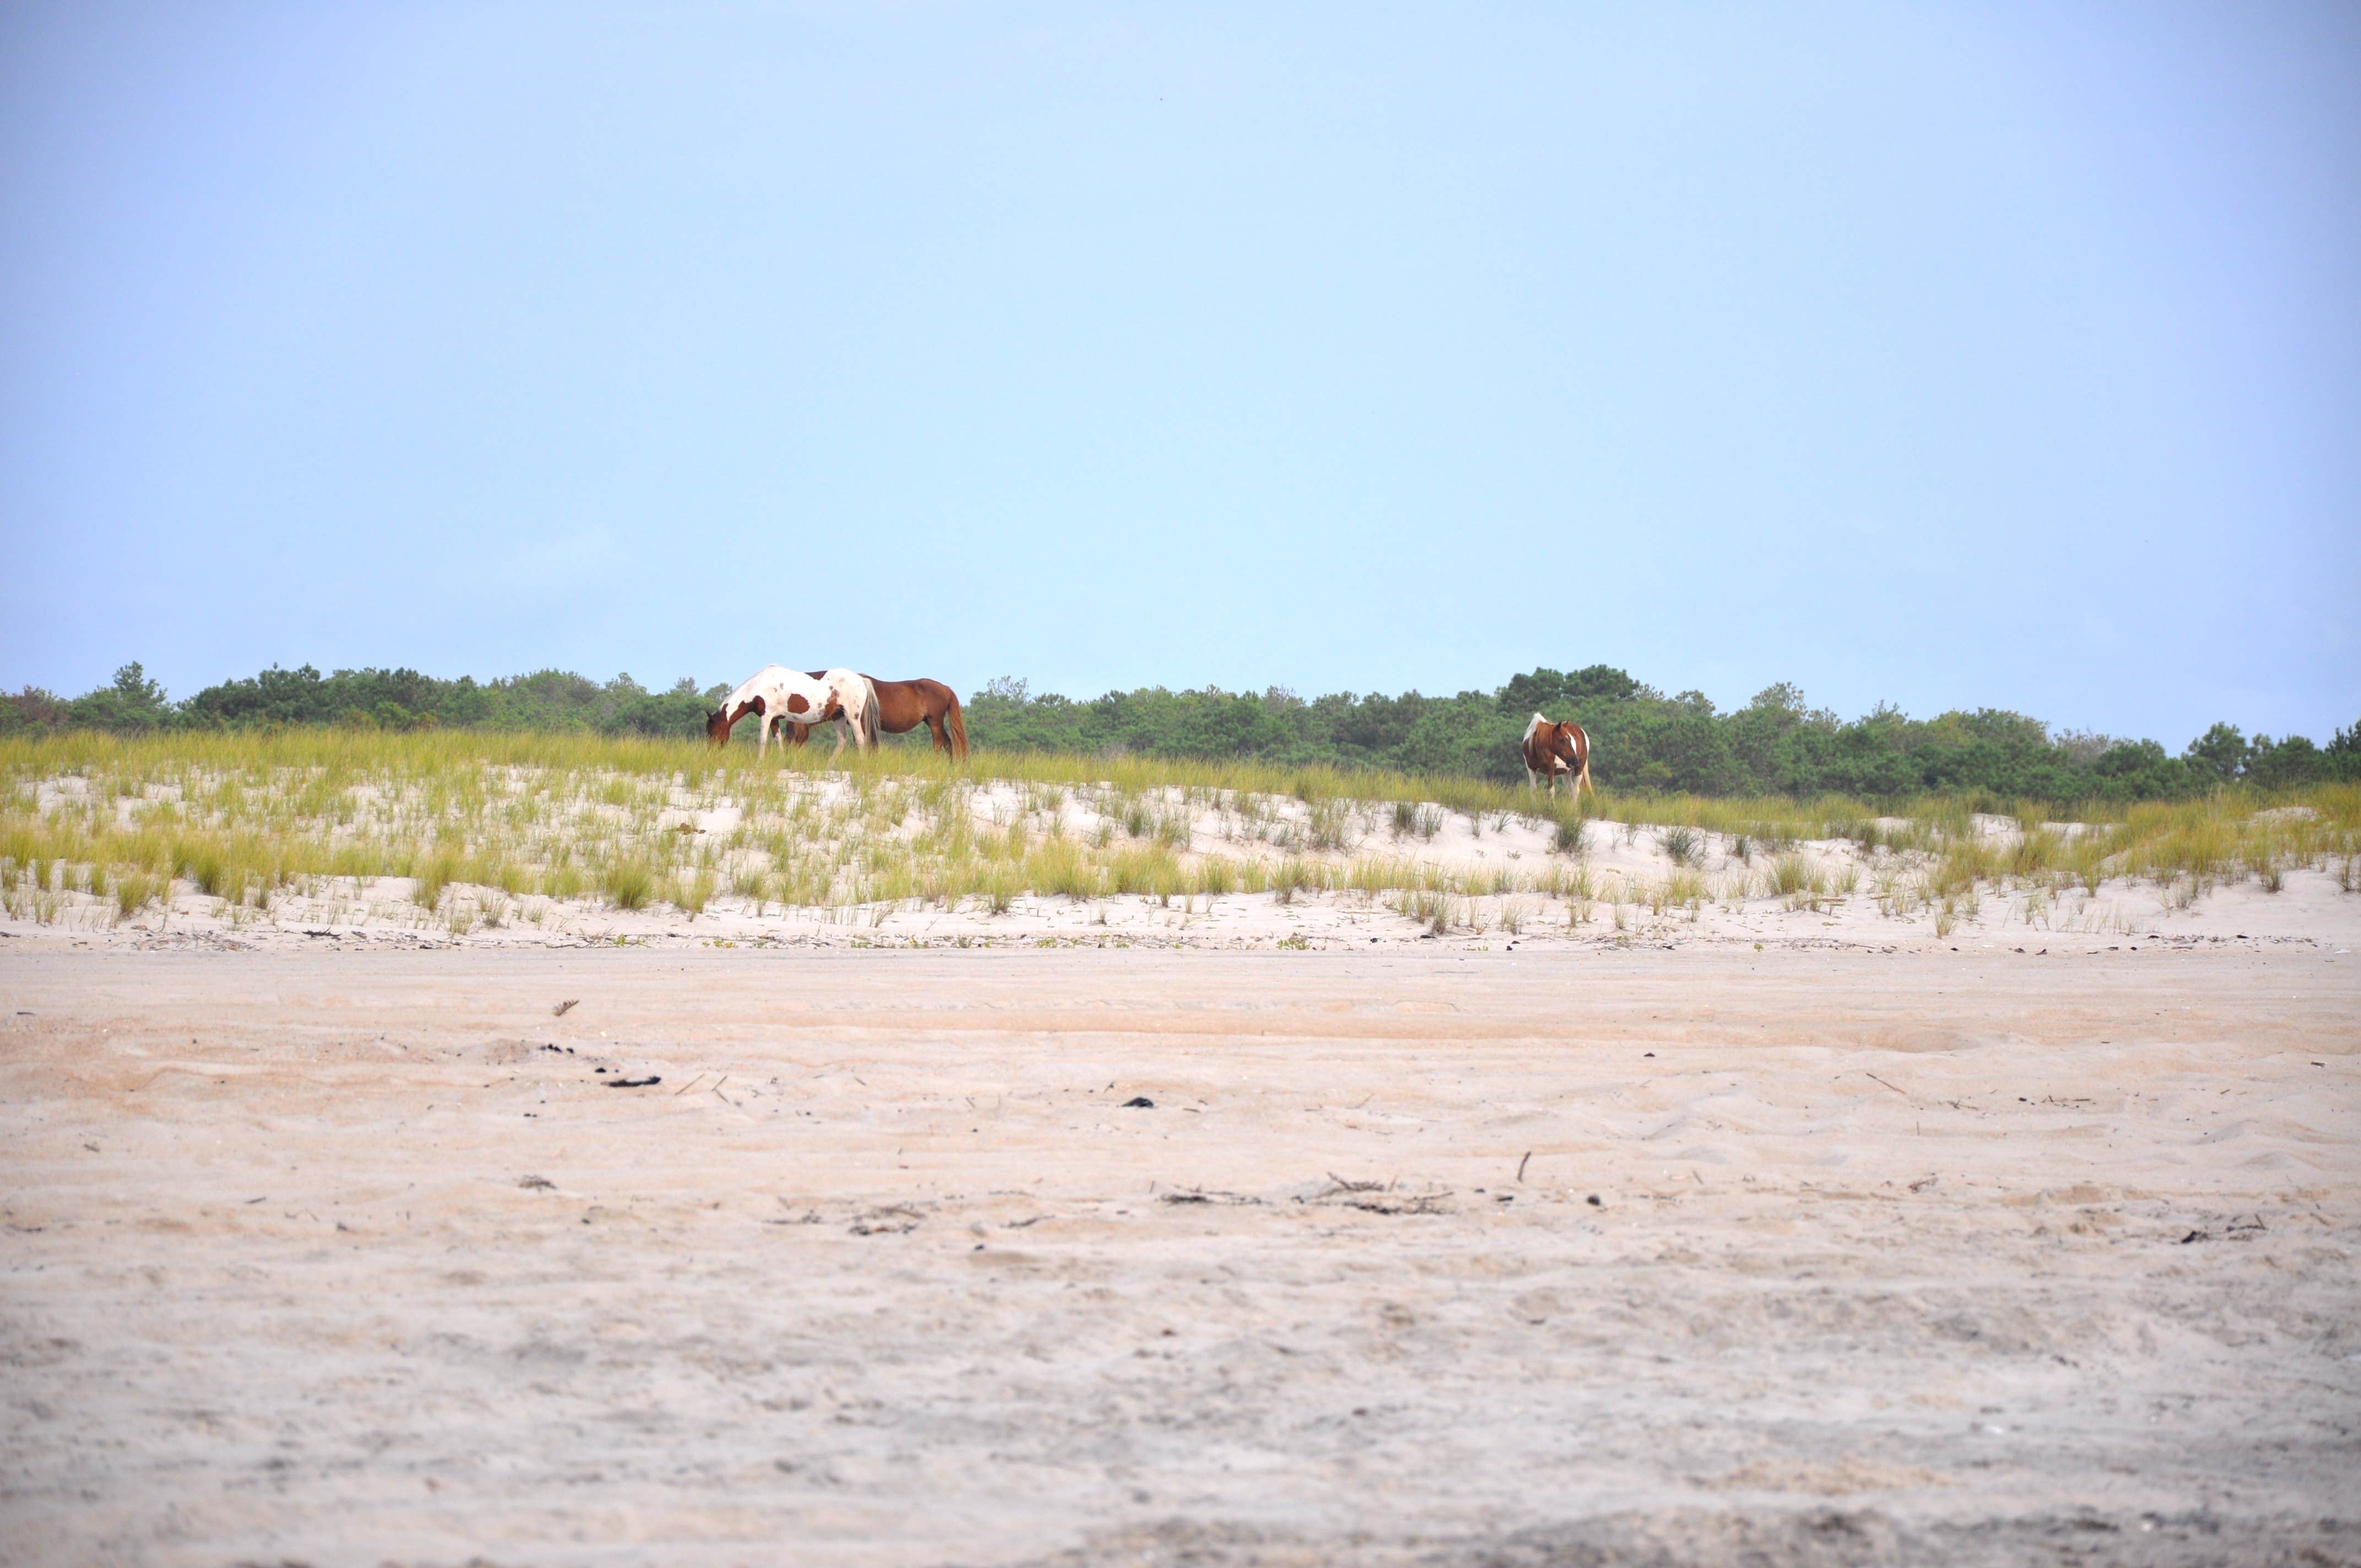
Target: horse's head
x=718 y=723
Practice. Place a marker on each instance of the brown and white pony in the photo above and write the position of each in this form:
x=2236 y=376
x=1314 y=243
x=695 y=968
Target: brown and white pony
x=1555 y=752
x=777 y=695
x=906 y=704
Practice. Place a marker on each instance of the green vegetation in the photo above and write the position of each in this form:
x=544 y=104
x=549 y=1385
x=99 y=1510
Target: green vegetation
x=485 y=827
x=550 y=700
x=1645 y=742
x=243 y=816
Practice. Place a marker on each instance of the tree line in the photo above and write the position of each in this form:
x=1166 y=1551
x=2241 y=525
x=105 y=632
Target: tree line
x=1776 y=744
x=371 y=700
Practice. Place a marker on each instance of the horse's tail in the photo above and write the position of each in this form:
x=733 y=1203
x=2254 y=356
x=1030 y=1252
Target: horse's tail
x=872 y=724
x=957 y=726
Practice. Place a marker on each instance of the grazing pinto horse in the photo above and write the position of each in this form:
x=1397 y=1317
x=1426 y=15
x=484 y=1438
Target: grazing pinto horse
x=906 y=704
x=780 y=695
x=1555 y=752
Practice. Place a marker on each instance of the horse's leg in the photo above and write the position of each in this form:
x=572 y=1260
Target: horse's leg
x=832 y=756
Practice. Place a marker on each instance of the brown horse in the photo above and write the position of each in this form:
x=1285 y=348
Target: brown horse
x=1554 y=751
x=904 y=705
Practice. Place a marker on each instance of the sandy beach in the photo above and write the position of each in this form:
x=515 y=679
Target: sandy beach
x=1423 y=1253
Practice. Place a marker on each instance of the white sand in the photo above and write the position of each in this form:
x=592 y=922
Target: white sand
x=325 y=1257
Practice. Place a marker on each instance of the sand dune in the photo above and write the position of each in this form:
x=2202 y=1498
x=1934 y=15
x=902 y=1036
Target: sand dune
x=1625 y=866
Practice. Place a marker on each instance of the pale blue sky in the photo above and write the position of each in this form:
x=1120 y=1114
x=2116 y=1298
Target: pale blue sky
x=1957 y=355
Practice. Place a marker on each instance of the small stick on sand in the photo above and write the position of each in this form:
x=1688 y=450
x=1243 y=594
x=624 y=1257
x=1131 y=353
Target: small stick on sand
x=1874 y=1079
x=1521 y=1166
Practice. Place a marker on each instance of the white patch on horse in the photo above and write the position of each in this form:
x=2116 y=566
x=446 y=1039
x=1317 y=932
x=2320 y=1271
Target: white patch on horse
x=841 y=694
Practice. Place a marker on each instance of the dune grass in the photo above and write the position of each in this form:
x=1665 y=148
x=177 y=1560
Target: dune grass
x=477 y=823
